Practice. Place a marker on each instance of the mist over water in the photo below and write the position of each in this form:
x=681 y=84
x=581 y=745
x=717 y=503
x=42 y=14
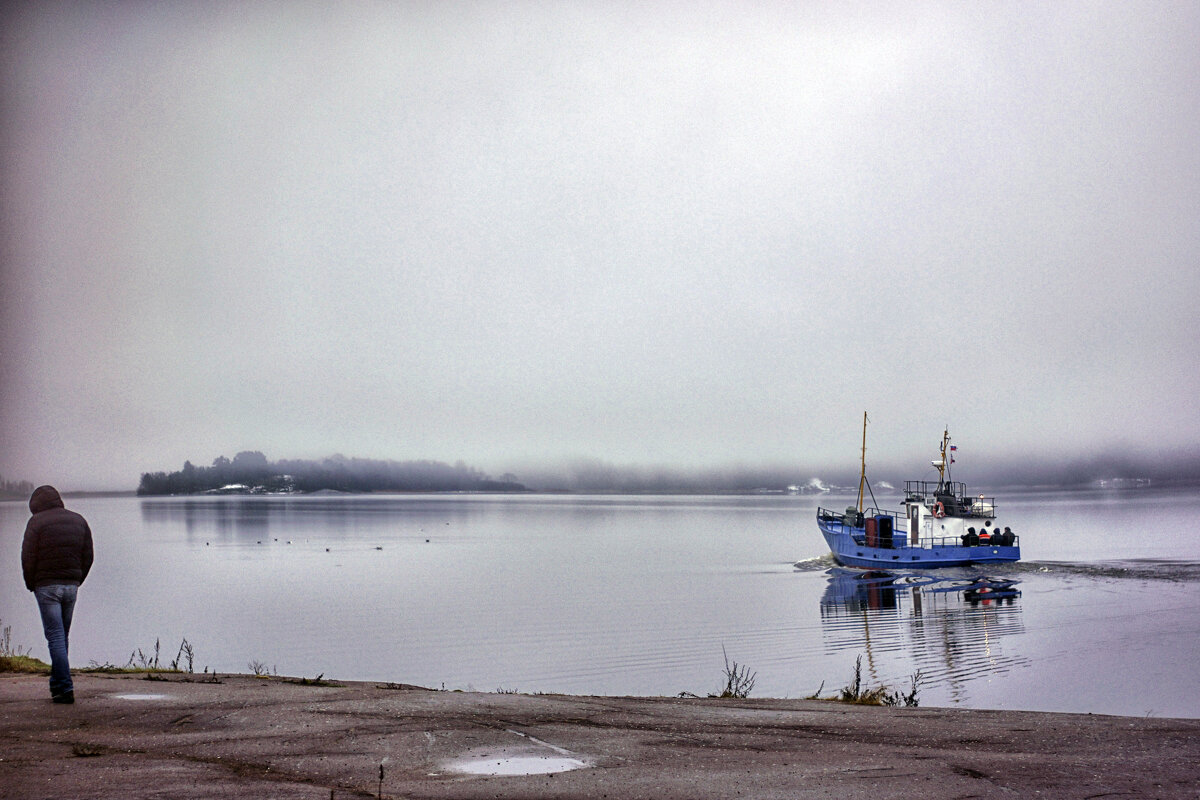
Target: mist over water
x=699 y=236
x=639 y=595
x=1025 y=473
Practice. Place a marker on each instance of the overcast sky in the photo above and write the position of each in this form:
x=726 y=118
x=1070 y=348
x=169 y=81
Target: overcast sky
x=691 y=234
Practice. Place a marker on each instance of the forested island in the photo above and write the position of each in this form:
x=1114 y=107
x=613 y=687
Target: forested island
x=250 y=472
x=15 y=489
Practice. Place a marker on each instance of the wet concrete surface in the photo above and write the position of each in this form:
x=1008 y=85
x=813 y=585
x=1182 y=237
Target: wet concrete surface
x=248 y=737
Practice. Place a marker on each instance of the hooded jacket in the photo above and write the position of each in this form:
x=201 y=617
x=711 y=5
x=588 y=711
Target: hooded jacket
x=57 y=548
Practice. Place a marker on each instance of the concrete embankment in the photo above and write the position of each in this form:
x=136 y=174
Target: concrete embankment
x=249 y=737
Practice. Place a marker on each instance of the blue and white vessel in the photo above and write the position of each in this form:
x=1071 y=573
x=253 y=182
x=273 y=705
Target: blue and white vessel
x=940 y=526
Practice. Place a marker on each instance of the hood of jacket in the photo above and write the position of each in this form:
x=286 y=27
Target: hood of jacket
x=44 y=498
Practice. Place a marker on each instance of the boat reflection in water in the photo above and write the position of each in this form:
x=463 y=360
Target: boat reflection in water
x=949 y=626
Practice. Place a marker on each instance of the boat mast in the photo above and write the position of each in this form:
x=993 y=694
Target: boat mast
x=943 y=466
x=862 y=478
x=947 y=456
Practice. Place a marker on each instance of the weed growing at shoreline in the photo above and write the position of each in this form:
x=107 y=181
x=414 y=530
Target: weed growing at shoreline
x=14 y=658
x=140 y=661
x=879 y=696
x=259 y=669
x=739 y=680
x=317 y=681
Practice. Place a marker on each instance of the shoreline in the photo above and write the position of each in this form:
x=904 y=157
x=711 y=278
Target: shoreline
x=246 y=736
x=1163 y=485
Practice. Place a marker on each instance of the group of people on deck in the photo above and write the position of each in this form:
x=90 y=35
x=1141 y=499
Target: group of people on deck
x=987 y=536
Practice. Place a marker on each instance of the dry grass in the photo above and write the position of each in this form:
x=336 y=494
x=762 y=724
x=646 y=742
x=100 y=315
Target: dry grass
x=881 y=695
x=141 y=661
x=739 y=680
x=14 y=658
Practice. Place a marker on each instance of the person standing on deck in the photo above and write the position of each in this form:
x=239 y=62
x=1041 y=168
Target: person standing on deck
x=56 y=556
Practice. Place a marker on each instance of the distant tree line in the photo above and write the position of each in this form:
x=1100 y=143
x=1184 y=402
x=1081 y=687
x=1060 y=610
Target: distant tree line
x=252 y=470
x=15 y=488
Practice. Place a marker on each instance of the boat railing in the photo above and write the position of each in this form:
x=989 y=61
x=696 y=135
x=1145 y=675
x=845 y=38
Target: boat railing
x=930 y=542
x=883 y=512
x=953 y=496
x=829 y=515
x=921 y=489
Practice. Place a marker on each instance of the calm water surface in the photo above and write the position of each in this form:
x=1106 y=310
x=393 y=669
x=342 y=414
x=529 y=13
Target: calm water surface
x=637 y=595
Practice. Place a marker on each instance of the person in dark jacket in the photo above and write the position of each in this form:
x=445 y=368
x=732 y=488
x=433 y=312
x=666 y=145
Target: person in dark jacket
x=56 y=556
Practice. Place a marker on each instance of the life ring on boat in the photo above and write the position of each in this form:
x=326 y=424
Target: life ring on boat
x=939 y=510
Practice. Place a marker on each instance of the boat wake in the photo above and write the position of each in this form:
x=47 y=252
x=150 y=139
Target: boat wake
x=1143 y=569
x=816 y=564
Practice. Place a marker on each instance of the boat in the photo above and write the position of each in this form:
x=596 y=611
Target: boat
x=940 y=525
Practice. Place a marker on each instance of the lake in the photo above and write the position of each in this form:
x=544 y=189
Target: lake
x=636 y=595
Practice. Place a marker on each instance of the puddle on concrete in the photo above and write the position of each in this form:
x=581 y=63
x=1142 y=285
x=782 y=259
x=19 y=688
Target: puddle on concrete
x=516 y=765
x=140 y=696
x=518 y=760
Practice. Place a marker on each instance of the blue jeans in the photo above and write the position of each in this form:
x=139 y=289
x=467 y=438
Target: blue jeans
x=57 y=604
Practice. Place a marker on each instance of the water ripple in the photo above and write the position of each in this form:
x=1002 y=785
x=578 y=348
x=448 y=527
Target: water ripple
x=949 y=625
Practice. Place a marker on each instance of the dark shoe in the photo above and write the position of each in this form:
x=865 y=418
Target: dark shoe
x=65 y=697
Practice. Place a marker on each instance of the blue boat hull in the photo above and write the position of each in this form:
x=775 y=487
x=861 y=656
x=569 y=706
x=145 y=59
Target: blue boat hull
x=841 y=540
